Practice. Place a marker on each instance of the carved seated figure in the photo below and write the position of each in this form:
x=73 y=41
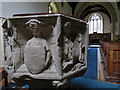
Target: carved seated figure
x=72 y=50
x=37 y=53
x=68 y=48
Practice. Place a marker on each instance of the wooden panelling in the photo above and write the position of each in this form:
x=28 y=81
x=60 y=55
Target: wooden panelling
x=111 y=59
x=96 y=37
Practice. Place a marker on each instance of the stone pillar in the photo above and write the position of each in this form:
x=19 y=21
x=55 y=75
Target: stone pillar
x=86 y=42
x=112 y=31
x=1 y=44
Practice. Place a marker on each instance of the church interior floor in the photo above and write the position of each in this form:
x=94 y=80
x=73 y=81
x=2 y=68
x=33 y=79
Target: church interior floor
x=101 y=72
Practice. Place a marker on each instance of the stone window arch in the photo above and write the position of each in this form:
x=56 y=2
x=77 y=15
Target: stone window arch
x=95 y=23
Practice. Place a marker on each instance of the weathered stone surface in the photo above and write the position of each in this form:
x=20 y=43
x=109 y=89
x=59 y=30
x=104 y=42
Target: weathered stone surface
x=37 y=54
x=16 y=57
x=77 y=47
x=67 y=48
x=35 y=58
x=50 y=47
x=49 y=74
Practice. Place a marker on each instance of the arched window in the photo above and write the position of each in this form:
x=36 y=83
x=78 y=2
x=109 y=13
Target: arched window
x=95 y=23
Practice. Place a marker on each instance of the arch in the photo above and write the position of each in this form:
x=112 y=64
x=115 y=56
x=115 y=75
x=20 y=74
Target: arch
x=108 y=6
x=80 y=8
x=96 y=19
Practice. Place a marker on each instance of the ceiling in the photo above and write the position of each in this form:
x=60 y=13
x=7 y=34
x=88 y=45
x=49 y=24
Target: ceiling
x=94 y=7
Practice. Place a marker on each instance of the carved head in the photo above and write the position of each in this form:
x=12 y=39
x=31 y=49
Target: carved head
x=33 y=25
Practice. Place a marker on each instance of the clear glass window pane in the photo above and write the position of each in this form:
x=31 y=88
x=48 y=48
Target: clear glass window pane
x=95 y=24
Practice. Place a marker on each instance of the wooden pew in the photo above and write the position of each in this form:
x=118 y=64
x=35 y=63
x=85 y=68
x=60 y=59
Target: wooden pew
x=111 y=59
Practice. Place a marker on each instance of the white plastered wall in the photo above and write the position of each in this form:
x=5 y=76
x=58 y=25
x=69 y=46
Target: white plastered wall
x=10 y=8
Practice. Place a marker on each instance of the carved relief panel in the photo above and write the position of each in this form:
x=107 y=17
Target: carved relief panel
x=50 y=46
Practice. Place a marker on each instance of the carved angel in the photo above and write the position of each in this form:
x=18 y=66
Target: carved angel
x=37 y=53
